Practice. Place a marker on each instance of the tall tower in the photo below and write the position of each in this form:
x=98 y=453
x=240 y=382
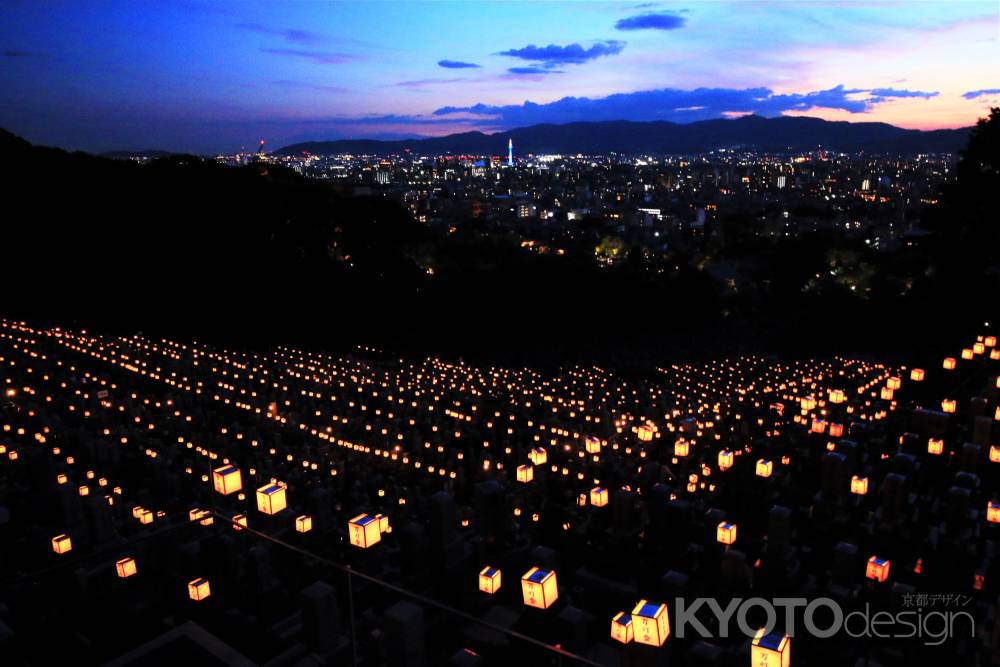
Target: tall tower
x=510 y=152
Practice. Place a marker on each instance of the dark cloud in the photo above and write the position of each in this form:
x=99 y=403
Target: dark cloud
x=680 y=105
x=554 y=55
x=973 y=94
x=663 y=21
x=456 y=64
x=294 y=35
x=321 y=57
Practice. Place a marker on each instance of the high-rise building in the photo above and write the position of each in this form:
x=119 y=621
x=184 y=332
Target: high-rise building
x=510 y=152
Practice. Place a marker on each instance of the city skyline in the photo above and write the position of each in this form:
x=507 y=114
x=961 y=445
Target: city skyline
x=214 y=77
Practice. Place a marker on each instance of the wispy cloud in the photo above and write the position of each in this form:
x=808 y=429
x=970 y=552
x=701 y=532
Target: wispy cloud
x=885 y=93
x=533 y=70
x=651 y=21
x=421 y=83
x=554 y=55
x=285 y=83
x=973 y=94
x=321 y=57
x=456 y=64
x=294 y=35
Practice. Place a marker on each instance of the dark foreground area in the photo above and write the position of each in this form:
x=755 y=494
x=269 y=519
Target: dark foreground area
x=166 y=501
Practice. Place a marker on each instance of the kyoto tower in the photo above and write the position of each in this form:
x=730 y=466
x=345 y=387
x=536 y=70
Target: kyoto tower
x=510 y=152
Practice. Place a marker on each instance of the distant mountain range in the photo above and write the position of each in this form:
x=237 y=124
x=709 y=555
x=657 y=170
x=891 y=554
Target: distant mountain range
x=769 y=134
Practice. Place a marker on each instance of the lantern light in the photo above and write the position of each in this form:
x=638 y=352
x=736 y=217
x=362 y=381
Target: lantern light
x=227 y=479
x=917 y=375
x=992 y=512
x=198 y=589
x=489 y=580
x=303 y=524
x=764 y=467
x=126 y=567
x=271 y=498
x=651 y=623
x=621 y=628
x=598 y=496
x=61 y=544
x=364 y=531
x=770 y=650
x=725 y=459
x=726 y=533
x=877 y=569
x=859 y=485
x=539 y=588
x=525 y=473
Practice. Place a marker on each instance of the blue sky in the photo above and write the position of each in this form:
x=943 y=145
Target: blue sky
x=214 y=76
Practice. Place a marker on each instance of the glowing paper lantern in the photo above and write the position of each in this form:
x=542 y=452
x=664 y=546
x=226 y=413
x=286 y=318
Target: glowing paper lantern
x=525 y=473
x=836 y=430
x=598 y=496
x=877 y=569
x=948 y=405
x=538 y=588
x=61 y=544
x=726 y=533
x=198 y=589
x=771 y=650
x=592 y=445
x=917 y=375
x=935 y=446
x=646 y=431
x=304 y=523
x=949 y=363
x=859 y=485
x=650 y=623
x=621 y=628
x=538 y=456
x=125 y=567
x=227 y=479
x=992 y=512
x=489 y=580
x=364 y=531
x=764 y=468
x=681 y=448
x=239 y=521
x=994 y=454
x=271 y=498
x=725 y=459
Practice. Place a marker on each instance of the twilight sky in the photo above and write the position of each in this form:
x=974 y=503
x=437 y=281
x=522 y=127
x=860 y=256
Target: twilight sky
x=217 y=75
